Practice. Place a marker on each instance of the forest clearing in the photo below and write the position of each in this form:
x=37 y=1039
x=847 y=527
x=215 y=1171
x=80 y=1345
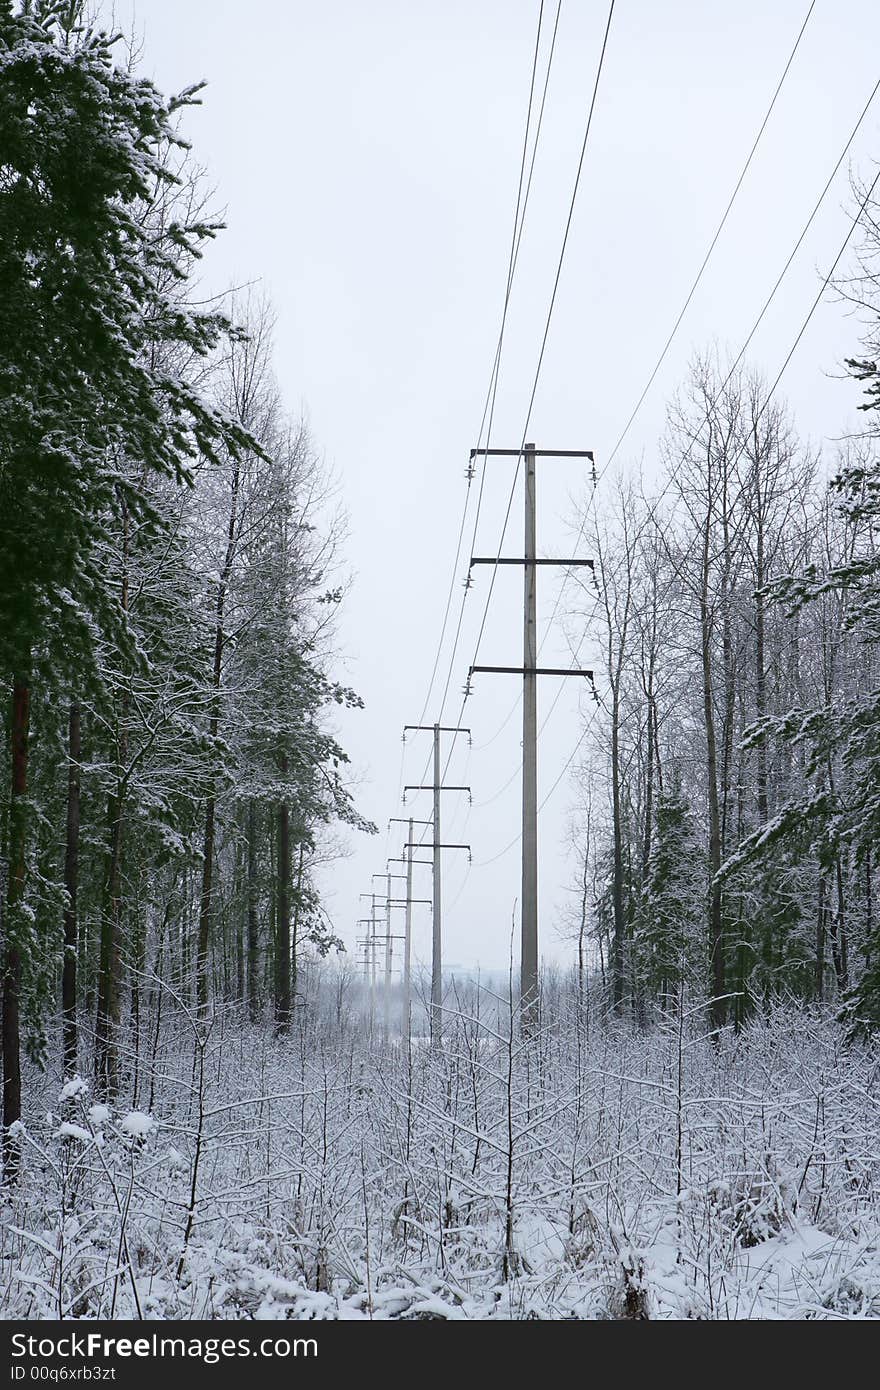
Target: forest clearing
x=308 y=1014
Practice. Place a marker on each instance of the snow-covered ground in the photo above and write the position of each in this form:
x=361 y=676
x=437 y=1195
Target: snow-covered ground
x=593 y=1172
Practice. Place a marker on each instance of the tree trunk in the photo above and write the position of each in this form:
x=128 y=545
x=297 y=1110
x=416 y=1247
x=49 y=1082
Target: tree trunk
x=109 y=1013
x=71 y=879
x=649 y=780
x=716 y=925
x=294 y=939
x=109 y=1010
x=582 y=933
x=282 y=924
x=253 y=937
x=820 y=941
x=12 y=959
x=206 y=902
x=761 y=677
x=617 y=963
x=869 y=911
x=839 y=952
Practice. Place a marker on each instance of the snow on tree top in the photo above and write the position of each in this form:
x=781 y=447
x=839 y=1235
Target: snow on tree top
x=138 y=1125
x=73 y=1088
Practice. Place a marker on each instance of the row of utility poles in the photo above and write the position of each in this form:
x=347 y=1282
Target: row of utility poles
x=375 y=940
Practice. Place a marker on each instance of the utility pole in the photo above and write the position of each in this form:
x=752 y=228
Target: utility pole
x=372 y=964
x=437 y=926
x=409 y=861
x=388 y=876
x=407 y=944
x=386 y=1020
x=389 y=937
x=370 y=954
x=530 y=672
x=369 y=942
x=436 y=937
x=407 y=933
x=364 y=941
x=528 y=983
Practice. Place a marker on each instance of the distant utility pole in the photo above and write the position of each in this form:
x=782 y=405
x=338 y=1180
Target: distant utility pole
x=389 y=937
x=437 y=943
x=364 y=941
x=409 y=861
x=370 y=955
x=530 y=672
x=407 y=939
x=407 y=946
x=388 y=876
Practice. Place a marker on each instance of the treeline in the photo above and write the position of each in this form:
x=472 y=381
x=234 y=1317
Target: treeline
x=727 y=836
x=167 y=547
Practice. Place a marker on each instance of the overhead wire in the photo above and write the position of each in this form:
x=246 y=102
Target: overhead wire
x=538 y=368
x=489 y=407
x=653 y=507
x=671 y=336
x=520 y=208
x=766 y=305
x=492 y=392
x=826 y=281
x=511 y=267
x=652 y=511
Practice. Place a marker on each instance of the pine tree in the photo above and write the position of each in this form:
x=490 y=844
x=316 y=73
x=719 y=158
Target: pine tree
x=82 y=314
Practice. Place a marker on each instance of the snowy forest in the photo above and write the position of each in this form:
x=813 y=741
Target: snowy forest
x=206 y=1114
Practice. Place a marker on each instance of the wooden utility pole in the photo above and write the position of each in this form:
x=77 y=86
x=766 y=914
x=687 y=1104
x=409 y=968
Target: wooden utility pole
x=530 y=672
x=437 y=925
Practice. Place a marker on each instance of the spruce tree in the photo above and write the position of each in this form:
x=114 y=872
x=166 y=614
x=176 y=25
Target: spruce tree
x=85 y=389
x=674 y=899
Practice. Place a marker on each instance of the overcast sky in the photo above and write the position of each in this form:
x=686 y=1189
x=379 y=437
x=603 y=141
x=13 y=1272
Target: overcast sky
x=367 y=156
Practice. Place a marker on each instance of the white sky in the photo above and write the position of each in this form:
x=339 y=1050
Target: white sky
x=367 y=155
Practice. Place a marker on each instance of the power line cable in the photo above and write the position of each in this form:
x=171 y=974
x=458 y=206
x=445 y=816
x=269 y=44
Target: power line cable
x=522 y=201
x=801 y=331
x=544 y=339
x=493 y=385
x=756 y=325
x=677 y=323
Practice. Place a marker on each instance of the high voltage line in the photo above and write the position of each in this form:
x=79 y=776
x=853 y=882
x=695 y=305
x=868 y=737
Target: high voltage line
x=738 y=359
x=522 y=201
x=655 y=370
x=542 y=351
x=675 y=327
x=489 y=407
x=544 y=340
x=770 y=297
x=518 y=223
x=653 y=505
x=490 y=401
x=488 y=411
x=546 y=333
